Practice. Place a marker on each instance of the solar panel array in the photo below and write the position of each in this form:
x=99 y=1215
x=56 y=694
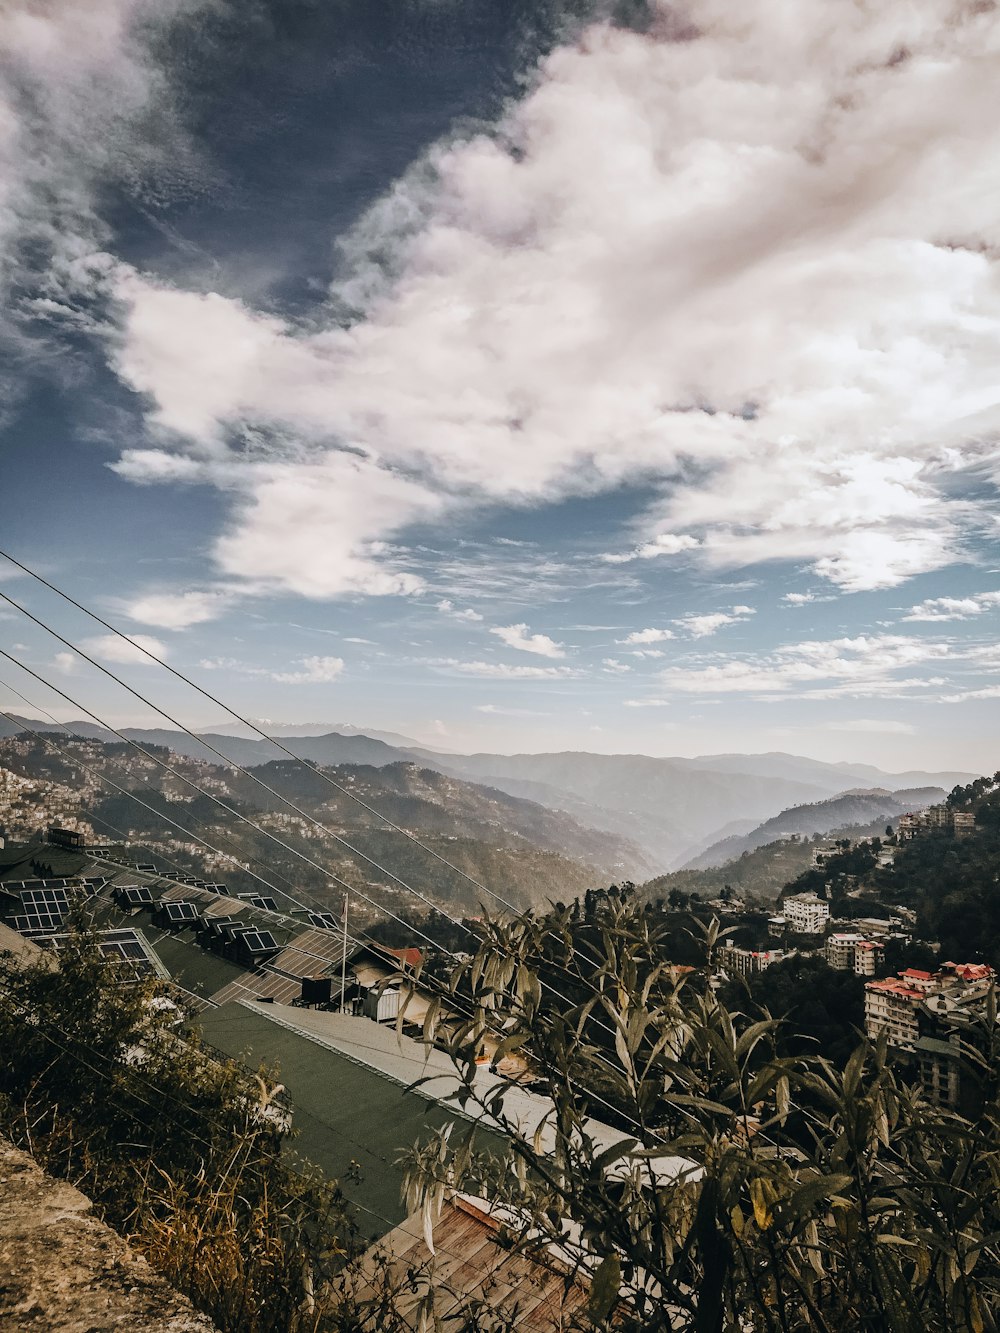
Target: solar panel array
x=120 y=947
x=41 y=910
x=323 y=920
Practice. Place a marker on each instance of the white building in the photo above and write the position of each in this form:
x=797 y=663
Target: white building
x=850 y=952
x=806 y=913
x=746 y=962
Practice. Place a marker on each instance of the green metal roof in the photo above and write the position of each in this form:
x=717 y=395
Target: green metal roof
x=196 y=969
x=343 y=1111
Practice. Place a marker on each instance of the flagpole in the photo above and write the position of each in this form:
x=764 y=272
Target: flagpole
x=343 y=961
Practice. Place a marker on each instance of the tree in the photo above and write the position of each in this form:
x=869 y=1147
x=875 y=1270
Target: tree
x=756 y=1190
x=179 y=1150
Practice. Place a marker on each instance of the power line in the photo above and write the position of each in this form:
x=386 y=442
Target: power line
x=206 y=694
x=331 y=875
x=240 y=768
x=48 y=740
x=230 y=763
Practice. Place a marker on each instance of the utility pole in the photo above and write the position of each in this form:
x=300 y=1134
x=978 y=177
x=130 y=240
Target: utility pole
x=343 y=961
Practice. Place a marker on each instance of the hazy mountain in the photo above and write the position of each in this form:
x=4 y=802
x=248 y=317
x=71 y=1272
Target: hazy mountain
x=855 y=808
x=525 y=852
x=286 y=729
x=671 y=808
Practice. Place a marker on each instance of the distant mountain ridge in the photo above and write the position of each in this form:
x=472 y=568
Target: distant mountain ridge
x=672 y=808
x=852 y=809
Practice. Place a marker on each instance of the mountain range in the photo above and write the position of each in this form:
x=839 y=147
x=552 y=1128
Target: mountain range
x=671 y=809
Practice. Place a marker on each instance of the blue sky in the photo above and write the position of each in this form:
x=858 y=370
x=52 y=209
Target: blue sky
x=518 y=376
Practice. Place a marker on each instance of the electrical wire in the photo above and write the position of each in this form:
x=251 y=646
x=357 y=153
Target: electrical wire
x=239 y=768
x=329 y=874
x=206 y=694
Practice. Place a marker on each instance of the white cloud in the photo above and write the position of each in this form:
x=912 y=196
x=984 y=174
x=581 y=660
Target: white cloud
x=799 y=598
x=83 y=100
x=648 y=652
x=613 y=666
x=700 y=626
x=647 y=703
x=498 y=711
x=112 y=648
x=666 y=543
x=963 y=696
x=65 y=663
x=448 y=608
x=694 y=625
x=954 y=608
x=517 y=636
x=789 y=328
x=876 y=726
x=313 y=670
x=502 y=671
x=864 y=666
x=178 y=610
x=648 y=636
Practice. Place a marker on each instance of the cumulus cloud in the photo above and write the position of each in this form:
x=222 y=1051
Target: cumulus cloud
x=614 y=667
x=178 y=610
x=755 y=269
x=83 y=101
x=112 y=648
x=700 y=626
x=954 y=608
x=448 y=608
x=65 y=663
x=799 y=598
x=517 y=636
x=648 y=636
x=315 y=671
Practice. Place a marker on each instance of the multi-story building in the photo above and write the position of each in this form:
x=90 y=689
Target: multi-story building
x=936 y=819
x=912 y=1006
x=851 y=952
x=806 y=913
x=747 y=962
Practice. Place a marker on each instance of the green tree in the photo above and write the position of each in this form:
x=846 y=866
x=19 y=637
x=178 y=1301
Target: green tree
x=756 y=1190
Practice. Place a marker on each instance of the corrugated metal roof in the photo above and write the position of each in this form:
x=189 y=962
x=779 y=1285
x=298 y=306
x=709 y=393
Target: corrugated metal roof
x=472 y=1263
x=344 y=1111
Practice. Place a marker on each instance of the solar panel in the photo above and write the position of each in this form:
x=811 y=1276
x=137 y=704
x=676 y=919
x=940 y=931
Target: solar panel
x=138 y=895
x=181 y=912
x=258 y=941
x=260 y=900
x=323 y=920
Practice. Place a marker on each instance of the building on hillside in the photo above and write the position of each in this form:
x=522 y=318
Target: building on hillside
x=776 y=926
x=822 y=850
x=747 y=962
x=806 y=913
x=849 y=952
x=935 y=819
x=899 y=1005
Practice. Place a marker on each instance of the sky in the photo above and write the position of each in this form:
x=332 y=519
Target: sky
x=516 y=376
